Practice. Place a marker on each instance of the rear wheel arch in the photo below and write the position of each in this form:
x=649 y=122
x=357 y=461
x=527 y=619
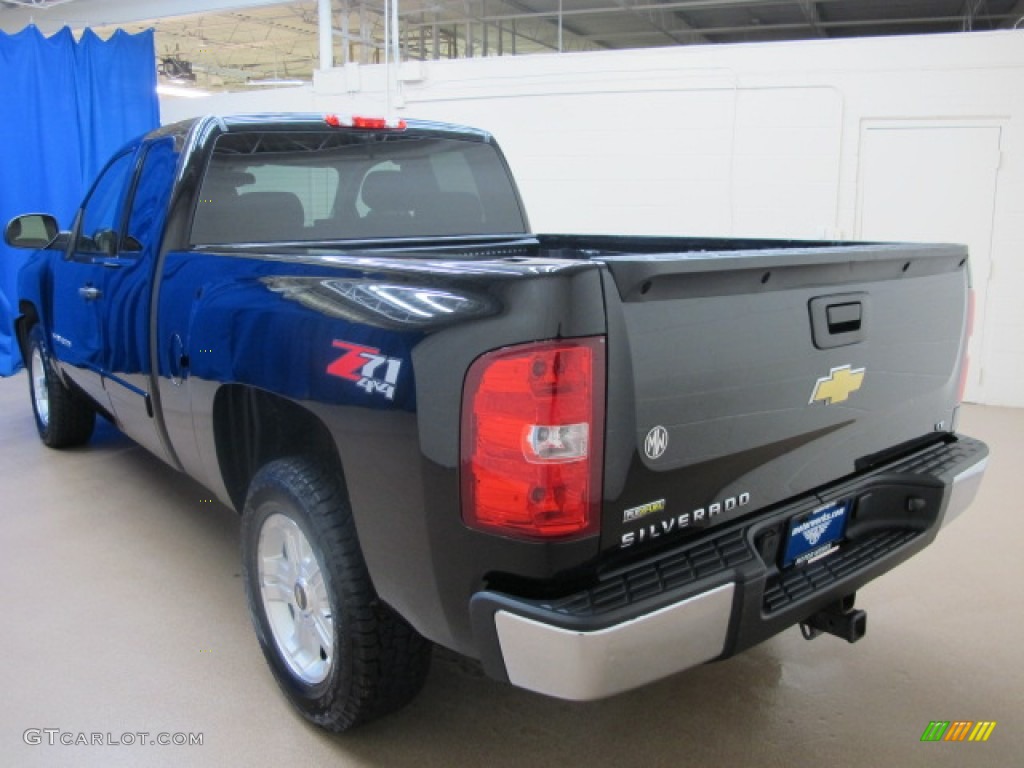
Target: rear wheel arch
x=340 y=654
x=253 y=427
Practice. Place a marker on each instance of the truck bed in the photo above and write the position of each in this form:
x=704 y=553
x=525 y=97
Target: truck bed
x=725 y=343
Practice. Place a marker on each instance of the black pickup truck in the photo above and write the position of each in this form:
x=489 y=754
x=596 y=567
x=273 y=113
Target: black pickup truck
x=588 y=462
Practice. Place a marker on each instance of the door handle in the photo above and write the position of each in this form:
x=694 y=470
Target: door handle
x=90 y=292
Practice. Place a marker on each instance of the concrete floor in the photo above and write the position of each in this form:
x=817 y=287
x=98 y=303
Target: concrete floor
x=123 y=612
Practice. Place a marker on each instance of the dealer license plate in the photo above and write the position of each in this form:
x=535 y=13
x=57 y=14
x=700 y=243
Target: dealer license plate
x=816 y=534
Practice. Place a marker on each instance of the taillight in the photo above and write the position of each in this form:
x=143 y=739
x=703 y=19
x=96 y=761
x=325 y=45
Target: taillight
x=966 y=364
x=533 y=438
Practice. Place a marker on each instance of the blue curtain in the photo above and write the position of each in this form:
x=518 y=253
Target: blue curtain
x=65 y=108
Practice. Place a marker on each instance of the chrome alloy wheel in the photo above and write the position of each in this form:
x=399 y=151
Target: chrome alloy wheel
x=295 y=599
x=40 y=392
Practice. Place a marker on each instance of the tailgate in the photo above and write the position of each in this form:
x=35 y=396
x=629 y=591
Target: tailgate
x=739 y=380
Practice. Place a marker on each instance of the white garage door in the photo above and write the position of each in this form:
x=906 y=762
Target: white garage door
x=932 y=182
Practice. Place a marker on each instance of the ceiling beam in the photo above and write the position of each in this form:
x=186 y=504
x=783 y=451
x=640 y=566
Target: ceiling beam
x=1017 y=12
x=767 y=28
x=556 y=22
x=810 y=9
x=642 y=5
x=105 y=13
x=969 y=12
x=37 y=4
x=671 y=25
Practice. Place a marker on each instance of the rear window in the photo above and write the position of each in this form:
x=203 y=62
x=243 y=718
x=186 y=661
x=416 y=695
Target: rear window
x=309 y=187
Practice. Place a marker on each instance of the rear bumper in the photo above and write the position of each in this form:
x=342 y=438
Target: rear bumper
x=963 y=489
x=713 y=597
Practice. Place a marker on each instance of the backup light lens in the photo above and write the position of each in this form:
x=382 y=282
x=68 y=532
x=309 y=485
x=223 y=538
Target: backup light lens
x=554 y=442
x=532 y=440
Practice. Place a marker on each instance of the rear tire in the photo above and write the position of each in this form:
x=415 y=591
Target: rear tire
x=341 y=655
x=64 y=418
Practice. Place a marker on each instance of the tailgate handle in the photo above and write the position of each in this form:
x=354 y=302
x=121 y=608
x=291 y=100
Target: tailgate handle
x=839 y=320
x=843 y=318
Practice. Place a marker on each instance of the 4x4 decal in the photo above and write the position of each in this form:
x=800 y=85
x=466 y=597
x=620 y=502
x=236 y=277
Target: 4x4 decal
x=367 y=367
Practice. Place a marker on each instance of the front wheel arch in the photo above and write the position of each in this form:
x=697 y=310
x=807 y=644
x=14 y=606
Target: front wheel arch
x=64 y=417
x=28 y=317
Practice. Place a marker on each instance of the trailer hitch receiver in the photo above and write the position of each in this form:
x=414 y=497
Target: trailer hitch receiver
x=839 y=619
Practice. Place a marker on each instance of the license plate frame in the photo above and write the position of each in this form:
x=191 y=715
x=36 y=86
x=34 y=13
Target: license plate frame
x=810 y=536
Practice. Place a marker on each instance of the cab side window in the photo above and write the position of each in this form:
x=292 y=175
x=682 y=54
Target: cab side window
x=149 y=203
x=101 y=218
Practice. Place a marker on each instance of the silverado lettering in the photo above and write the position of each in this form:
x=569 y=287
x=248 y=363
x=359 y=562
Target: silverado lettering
x=697 y=517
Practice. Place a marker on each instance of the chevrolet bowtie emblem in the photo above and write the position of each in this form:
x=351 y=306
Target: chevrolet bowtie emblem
x=837 y=386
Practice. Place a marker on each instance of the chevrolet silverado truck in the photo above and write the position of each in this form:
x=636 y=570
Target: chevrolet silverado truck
x=589 y=462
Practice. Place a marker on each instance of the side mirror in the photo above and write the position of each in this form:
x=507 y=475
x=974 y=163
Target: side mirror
x=31 y=230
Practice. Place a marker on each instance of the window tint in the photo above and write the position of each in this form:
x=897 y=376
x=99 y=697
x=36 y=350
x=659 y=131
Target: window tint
x=314 y=186
x=453 y=172
x=149 y=204
x=308 y=187
x=386 y=167
x=101 y=219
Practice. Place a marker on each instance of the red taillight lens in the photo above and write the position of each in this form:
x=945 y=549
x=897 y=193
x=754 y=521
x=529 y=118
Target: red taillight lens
x=369 y=122
x=359 y=121
x=966 y=364
x=532 y=440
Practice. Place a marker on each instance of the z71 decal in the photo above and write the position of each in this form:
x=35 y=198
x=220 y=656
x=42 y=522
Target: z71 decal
x=367 y=367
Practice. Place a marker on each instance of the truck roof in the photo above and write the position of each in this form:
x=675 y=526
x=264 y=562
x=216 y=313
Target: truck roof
x=292 y=121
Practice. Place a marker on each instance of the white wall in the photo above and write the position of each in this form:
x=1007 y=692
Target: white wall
x=778 y=139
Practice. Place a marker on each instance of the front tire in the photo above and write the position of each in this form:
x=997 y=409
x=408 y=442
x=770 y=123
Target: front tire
x=64 y=418
x=341 y=655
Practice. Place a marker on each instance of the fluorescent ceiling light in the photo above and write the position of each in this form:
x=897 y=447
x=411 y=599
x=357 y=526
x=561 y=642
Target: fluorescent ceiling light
x=176 y=90
x=277 y=81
